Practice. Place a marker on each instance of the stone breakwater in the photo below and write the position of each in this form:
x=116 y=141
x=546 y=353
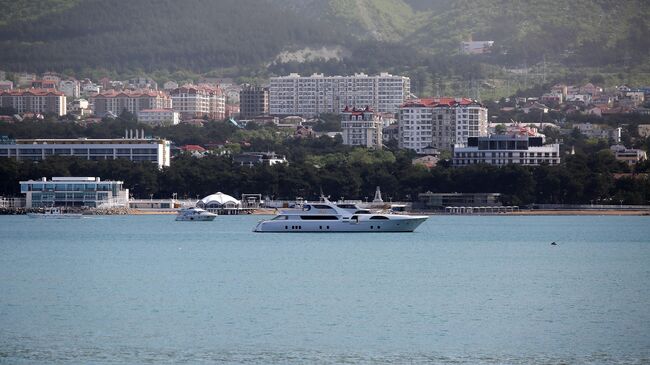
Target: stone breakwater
x=84 y=211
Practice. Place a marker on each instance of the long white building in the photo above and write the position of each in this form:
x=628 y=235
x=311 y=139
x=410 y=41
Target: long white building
x=134 y=149
x=440 y=123
x=74 y=192
x=312 y=95
x=504 y=149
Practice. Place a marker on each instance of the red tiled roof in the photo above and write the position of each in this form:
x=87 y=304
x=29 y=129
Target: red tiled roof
x=129 y=93
x=193 y=147
x=35 y=92
x=433 y=102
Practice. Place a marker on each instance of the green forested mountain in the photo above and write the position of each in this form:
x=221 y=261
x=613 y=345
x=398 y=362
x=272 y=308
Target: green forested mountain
x=245 y=36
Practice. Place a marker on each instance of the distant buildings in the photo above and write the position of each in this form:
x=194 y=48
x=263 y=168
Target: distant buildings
x=133 y=101
x=440 y=123
x=312 y=95
x=251 y=159
x=253 y=101
x=158 y=117
x=502 y=150
x=476 y=47
x=134 y=149
x=34 y=100
x=71 y=88
x=198 y=101
x=361 y=127
x=74 y=192
x=6 y=85
x=628 y=155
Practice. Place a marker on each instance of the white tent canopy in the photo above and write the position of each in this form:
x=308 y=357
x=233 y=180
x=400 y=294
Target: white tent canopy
x=220 y=200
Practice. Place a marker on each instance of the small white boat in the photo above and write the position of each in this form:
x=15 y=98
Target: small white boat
x=54 y=213
x=195 y=214
x=328 y=217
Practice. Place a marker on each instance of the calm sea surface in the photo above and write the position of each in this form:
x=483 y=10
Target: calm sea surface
x=490 y=290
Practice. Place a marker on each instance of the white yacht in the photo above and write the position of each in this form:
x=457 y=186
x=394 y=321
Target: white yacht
x=328 y=217
x=54 y=213
x=195 y=214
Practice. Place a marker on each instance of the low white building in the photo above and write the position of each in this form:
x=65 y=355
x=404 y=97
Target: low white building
x=503 y=150
x=74 y=192
x=156 y=117
x=628 y=155
x=134 y=149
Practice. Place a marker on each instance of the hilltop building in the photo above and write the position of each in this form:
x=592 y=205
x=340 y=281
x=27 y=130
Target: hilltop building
x=312 y=95
x=71 y=88
x=628 y=155
x=361 y=127
x=156 y=117
x=34 y=100
x=440 y=123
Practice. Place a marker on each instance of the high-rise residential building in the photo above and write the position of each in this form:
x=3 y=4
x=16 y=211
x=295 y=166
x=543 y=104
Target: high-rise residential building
x=312 y=95
x=440 y=123
x=253 y=101
x=506 y=149
x=133 y=101
x=197 y=101
x=361 y=127
x=34 y=100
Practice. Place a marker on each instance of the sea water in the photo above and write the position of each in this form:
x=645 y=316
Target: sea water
x=461 y=289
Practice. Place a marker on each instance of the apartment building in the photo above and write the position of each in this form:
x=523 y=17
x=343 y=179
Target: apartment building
x=253 y=101
x=503 y=149
x=440 y=123
x=312 y=95
x=133 y=101
x=34 y=100
x=71 y=88
x=361 y=127
x=197 y=101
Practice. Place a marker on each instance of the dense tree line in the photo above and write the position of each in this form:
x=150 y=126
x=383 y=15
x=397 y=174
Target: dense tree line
x=353 y=174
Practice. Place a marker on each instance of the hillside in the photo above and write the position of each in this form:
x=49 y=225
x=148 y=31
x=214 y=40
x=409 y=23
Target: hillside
x=333 y=36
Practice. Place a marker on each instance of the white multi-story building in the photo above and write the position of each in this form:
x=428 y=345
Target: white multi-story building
x=440 y=123
x=193 y=101
x=503 y=150
x=361 y=127
x=134 y=149
x=312 y=95
x=158 y=117
x=71 y=88
x=74 y=192
x=34 y=100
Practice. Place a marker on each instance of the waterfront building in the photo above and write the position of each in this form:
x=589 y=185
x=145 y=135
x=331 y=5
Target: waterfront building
x=134 y=149
x=439 y=201
x=253 y=101
x=220 y=203
x=312 y=95
x=114 y=102
x=193 y=101
x=361 y=127
x=74 y=192
x=503 y=149
x=156 y=117
x=440 y=123
x=34 y=100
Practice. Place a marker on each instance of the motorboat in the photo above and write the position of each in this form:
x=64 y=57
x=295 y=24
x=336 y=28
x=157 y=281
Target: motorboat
x=54 y=213
x=195 y=214
x=328 y=217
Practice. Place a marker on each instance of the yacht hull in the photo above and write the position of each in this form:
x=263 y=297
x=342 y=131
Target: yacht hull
x=396 y=224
